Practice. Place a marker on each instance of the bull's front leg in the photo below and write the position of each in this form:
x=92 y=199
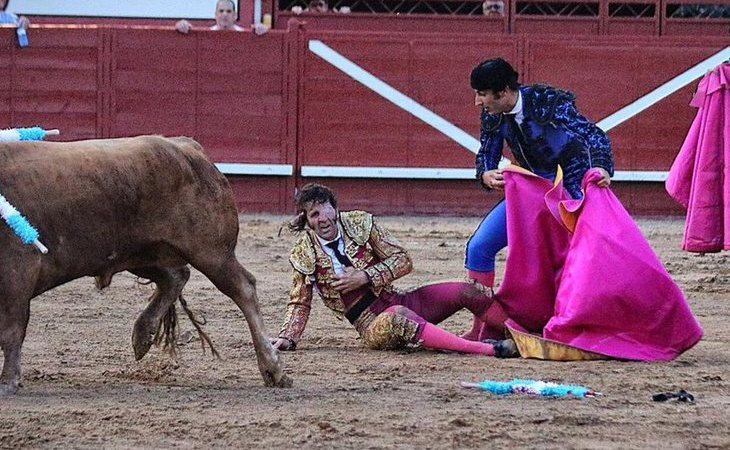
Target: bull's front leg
x=237 y=283
x=10 y=378
x=13 y=323
x=266 y=355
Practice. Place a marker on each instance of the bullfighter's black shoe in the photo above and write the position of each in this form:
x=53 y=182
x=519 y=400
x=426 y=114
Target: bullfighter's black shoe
x=503 y=349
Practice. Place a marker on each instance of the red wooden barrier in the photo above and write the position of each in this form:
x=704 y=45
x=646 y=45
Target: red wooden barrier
x=269 y=100
x=345 y=123
x=102 y=81
x=695 y=17
x=53 y=82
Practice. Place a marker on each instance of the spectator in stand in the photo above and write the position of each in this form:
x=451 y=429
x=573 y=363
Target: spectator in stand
x=225 y=20
x=493 y=8
x=319 y=6
x=10 y=18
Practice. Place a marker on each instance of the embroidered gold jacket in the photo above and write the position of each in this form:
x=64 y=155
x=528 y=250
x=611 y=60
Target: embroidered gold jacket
x=369 y=247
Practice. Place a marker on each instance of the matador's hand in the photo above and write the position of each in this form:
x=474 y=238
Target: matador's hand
x=350 y=280
x=493 y=179
x=606 y=180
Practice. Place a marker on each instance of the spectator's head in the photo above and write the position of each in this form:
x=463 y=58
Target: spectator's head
x=317 y=207
x=3 y=4
x=493 y=8
x=319 y=6
x=225 y=14
x=495 y=84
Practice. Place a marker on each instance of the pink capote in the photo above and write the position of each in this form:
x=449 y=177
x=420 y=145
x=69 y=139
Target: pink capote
x=601 y=286
x=700 y=175
x=537 y=248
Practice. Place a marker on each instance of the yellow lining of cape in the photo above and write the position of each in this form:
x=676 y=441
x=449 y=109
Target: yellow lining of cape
x=569 y=218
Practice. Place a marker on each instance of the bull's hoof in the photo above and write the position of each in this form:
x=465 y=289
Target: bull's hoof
x=143 y=336
x=284 y=381
x=141 y=343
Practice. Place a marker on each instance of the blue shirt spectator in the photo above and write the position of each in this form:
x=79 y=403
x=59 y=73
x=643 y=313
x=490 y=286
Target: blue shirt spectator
x=10 y=18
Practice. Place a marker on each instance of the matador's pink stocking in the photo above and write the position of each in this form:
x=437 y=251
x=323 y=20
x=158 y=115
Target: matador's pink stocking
x=489 y=325
x=436 y=338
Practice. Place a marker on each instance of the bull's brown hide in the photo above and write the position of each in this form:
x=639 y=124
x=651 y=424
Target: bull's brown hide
x=149 y=205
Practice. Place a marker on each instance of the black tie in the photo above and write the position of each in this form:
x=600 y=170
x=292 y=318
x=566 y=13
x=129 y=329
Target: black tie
x=335 y=246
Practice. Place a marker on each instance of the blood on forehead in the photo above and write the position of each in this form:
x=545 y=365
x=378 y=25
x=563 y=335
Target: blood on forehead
x=313 y=209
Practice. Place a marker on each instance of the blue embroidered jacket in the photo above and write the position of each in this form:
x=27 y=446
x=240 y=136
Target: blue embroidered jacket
x=553 y=133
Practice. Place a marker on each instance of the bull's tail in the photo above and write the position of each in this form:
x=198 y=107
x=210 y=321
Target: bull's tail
x=167 y=334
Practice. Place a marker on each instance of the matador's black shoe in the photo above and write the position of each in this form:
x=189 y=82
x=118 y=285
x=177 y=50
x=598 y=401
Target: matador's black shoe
x=503 y=349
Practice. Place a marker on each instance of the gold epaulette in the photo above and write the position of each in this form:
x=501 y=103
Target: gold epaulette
x=357 y=225
x=302 y=256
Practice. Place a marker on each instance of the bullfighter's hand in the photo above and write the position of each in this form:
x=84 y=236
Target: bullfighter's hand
x=280 y=343
x=23 y=22
x=260 y=29
x=493 y=179
x=183 y=26
x=350 y=280
x=606 y=180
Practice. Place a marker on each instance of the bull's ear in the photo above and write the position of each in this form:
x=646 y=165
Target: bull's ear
x=302 y=256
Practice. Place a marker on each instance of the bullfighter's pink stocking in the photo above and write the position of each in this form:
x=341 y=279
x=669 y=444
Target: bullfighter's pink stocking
x=436 y=338
x=483 y=278
x=489 y=325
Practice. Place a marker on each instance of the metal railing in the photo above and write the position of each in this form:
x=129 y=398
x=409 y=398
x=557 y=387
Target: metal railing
x=671 y=15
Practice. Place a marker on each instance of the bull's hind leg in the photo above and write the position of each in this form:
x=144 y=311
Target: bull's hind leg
x=169 y=283
x=14 y=314
x=236 y=282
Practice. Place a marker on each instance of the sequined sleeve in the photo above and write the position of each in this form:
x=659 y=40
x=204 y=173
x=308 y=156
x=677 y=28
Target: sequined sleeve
x=394 y=260
x=490 y=150
x=300 y=304
x=587 y=135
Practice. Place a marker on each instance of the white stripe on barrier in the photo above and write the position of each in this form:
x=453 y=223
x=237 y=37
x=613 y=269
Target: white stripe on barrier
x=389 y=93
x=470 y=143
x=435 y=173
x=388 y=172
x=255 y=169
x=664 y=90
x=631 y=175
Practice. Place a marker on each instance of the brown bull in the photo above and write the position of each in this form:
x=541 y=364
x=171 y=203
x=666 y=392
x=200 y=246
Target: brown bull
x=149 y=205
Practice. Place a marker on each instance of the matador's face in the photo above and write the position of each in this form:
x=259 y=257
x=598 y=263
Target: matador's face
x=322 y=218
x=495 y=102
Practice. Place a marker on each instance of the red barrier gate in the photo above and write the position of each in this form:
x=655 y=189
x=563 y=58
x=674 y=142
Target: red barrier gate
x=269 y=108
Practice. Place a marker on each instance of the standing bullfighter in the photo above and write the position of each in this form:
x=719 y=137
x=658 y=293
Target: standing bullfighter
x=544 y=130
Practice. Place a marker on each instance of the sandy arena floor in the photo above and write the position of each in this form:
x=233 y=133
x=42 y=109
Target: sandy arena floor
x=83 y=389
